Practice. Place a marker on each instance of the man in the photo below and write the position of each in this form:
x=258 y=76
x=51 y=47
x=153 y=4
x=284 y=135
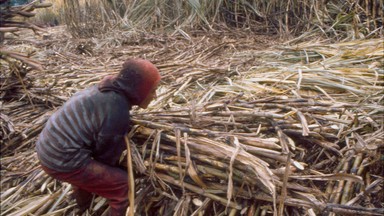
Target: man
x=82 y=142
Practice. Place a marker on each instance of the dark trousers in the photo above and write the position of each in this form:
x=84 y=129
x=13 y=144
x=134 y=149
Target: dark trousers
x=101 y=179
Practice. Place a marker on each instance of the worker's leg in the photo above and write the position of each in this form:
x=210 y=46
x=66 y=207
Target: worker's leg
x=106 y=181
x=83 y=198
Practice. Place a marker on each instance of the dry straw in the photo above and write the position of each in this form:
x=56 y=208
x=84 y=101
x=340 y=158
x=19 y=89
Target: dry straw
x=237 y=129
x=330 y=18
x=222 y=128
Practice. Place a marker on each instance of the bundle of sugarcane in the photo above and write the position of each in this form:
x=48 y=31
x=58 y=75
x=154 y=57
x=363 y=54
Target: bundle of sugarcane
x=12 y=18
x=236 y=153
x=16 y=64
x=210 y=145
x=291 y=130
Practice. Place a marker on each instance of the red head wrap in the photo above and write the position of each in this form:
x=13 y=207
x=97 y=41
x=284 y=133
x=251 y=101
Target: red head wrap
x=136 y=79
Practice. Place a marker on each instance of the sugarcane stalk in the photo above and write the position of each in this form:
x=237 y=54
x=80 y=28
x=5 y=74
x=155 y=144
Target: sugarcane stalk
x=199 y=191
x=61 y=197
x=349 y=185
x=337 y=190
x=131 y=183
x=354 y=210
x=44 y=207
x=284 y=188
x=366 y=192
x=205 y=172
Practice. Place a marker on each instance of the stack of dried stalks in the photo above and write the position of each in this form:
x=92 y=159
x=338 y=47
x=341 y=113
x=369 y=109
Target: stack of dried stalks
x=13 y=18
x=16 y=64
x=293 y=130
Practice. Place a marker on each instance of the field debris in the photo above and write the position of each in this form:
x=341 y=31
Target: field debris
x=238 y=130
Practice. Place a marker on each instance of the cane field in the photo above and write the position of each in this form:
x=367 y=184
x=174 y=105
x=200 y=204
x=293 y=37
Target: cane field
x=265 y=108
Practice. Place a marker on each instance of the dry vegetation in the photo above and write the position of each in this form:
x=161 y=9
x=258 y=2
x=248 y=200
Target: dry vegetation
x=245 y=123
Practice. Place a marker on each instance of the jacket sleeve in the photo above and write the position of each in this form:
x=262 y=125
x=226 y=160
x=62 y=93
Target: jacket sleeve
x=110 y=140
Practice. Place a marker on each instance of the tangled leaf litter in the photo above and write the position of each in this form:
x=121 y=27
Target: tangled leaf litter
x=225 y=120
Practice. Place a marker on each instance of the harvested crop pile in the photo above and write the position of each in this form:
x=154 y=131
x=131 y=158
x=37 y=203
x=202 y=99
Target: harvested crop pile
x=240 y=127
